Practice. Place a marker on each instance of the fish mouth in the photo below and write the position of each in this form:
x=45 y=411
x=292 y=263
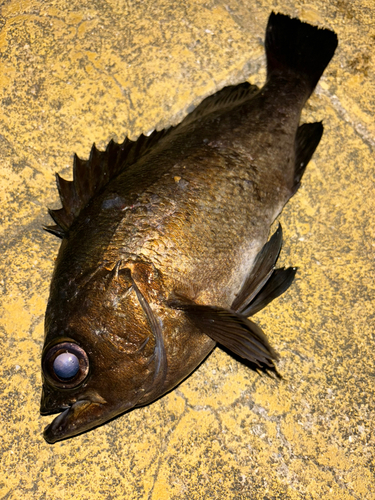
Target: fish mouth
x=82 y=416
x=79 y=417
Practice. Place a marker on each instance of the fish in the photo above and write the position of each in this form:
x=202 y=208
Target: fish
x=165 y=249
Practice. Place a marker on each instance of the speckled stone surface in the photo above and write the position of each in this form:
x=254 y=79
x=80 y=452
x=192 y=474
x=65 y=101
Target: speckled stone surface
x=77 y=72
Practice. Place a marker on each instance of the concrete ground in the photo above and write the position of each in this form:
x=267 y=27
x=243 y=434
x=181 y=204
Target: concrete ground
x=77 y=72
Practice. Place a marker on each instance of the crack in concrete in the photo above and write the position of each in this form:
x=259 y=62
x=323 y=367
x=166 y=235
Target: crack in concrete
x=361 y=129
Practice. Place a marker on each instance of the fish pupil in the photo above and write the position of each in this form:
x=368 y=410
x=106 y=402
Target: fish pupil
x=66 y=365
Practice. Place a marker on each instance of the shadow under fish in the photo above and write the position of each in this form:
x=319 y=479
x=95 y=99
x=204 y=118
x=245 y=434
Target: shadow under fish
x=164 y=249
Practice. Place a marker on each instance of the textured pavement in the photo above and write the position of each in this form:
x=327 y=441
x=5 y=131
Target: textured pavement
x=77 y=72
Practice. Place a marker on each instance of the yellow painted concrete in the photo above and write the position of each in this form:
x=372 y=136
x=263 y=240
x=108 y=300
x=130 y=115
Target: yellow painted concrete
x=76 y=72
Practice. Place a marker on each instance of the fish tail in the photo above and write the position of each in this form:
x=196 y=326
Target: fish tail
x=297 y=47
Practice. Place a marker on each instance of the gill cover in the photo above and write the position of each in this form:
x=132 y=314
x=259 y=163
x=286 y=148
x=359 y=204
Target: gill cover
x=104 y=354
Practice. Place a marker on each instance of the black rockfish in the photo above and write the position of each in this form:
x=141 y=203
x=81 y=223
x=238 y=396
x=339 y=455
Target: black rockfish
x=164 y=249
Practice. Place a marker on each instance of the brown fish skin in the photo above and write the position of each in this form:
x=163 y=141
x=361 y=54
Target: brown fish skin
x=151 y=266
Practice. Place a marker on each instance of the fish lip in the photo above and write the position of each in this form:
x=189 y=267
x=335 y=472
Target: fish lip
x=64 y=425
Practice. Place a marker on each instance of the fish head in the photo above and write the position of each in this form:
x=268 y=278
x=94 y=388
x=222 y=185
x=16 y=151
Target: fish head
x=103 y=351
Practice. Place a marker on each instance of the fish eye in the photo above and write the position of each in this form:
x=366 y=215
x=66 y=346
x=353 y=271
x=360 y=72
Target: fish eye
x=65 y=365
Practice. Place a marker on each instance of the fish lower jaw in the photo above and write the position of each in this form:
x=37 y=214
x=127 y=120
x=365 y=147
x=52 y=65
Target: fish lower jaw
x=70 y=422
x=55 y=424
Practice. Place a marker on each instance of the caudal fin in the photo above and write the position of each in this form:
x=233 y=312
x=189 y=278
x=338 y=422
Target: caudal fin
x=297 y=47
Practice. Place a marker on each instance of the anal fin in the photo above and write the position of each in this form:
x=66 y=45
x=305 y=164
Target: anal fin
x=279 y=281
x=307 y=139
x=261 y=271
x=264 y=283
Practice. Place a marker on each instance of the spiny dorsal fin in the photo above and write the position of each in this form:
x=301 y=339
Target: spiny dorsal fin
x=231 y=95
x=92 y=175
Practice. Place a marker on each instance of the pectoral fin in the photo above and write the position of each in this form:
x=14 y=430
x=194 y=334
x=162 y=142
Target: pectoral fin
x=232 y=330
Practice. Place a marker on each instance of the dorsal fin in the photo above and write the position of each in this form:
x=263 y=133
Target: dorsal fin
x=231 y=95
x=92 y=175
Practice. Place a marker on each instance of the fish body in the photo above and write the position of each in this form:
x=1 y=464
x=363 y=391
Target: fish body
x=164 y=241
